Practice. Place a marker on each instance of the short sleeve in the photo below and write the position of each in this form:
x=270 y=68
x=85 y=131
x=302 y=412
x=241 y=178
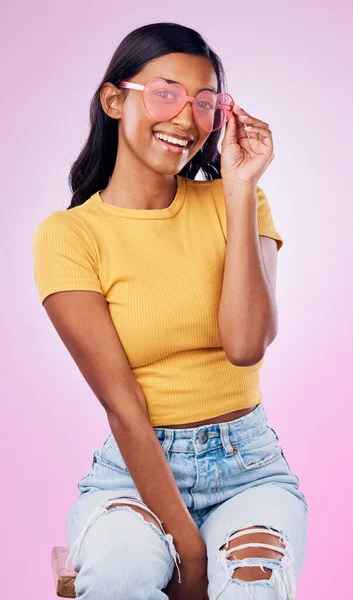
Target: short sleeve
x=64 y=256
x=265 y=221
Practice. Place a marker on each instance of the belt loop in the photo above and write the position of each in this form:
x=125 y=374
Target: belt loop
x=225 y=439
x=168 y=439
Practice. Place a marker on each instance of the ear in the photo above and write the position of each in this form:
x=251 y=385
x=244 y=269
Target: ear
x=112 y=100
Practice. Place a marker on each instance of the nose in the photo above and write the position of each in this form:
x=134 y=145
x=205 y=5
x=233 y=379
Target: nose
x=185 y=118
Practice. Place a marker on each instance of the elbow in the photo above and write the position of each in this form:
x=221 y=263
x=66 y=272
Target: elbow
x=245 y=361
x=247 y=358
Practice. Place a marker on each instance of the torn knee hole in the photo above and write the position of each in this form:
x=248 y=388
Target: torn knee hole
x=142 y=509
x=255 y=541
x=255 y=553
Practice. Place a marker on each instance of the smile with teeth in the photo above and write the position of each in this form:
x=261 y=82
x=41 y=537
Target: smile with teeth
x=172 y=140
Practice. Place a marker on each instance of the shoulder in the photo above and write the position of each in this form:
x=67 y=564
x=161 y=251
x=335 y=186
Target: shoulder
x=63 y=218
x=211 y=190
x=64 y=232
x=204 y=185
x=60 y=224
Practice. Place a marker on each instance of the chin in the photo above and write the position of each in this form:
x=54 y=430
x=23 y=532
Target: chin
x=165 y=169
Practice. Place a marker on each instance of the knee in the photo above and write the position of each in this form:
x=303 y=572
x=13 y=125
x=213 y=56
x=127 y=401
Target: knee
x=100 y=577
x=117 y=568
x=253 y=542
x=142 y=510
x=114 y=566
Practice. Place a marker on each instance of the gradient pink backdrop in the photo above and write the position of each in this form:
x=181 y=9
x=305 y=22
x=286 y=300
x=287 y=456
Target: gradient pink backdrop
x=291 y=66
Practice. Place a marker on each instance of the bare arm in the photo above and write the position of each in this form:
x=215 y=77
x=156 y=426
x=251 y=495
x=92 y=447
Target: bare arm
x=247 y=317
x=83 y=323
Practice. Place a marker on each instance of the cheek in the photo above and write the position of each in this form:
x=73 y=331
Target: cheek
x=136 y=123
x=137 y=131
x=202 y=139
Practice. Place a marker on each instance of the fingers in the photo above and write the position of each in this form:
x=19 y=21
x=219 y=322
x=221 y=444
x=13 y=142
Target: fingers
x=245 y=119
x=240 y=123
x=264 y=131
x=231 y=130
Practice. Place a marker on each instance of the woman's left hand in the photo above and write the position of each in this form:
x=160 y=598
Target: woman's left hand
x=243 y=159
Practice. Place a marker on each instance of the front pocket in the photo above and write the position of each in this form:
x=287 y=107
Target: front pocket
x=111 y=458
x=258 y=450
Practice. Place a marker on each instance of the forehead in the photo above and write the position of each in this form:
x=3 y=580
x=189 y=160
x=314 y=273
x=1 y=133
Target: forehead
x=193 y=72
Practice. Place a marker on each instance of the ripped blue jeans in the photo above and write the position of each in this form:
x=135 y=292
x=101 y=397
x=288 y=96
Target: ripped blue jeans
x=236 y=484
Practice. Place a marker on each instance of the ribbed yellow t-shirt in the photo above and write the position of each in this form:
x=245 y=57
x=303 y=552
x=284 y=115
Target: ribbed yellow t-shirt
x=161 y=273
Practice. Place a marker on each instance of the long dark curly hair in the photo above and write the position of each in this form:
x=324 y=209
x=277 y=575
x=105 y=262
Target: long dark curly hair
x=94 y=166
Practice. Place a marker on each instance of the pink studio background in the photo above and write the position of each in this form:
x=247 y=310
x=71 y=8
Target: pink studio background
x=289 y=64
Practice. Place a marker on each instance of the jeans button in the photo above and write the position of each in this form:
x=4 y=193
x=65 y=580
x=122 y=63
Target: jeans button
x=203 y=437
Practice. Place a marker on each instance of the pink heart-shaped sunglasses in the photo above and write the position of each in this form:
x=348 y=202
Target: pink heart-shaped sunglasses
x=164 y=100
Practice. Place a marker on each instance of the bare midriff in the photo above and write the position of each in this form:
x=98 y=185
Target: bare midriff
x=235 y=414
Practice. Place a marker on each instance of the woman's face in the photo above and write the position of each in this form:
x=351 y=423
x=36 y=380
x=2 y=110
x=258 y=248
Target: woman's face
x=136 y=126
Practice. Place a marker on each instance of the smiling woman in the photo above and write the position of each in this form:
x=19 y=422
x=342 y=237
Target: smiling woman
x=131 y=276
x=170 y=108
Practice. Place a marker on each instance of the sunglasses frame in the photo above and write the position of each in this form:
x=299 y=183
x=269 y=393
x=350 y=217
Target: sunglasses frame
x=142 y=88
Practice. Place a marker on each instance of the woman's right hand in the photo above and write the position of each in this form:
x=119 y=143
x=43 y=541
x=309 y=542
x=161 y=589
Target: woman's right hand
x=194 y=582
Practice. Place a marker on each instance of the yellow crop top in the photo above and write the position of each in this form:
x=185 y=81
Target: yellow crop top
x=161 y=272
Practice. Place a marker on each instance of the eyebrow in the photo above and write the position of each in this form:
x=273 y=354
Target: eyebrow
x=209 y=89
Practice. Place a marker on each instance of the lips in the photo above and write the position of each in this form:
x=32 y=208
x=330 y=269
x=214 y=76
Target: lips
x=174 y=136
x=171 y=148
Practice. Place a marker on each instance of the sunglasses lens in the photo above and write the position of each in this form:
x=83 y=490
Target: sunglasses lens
x=212 y=111
x=163 y=100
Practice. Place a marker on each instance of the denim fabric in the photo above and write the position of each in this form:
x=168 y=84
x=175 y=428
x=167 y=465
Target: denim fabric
x=231 y=476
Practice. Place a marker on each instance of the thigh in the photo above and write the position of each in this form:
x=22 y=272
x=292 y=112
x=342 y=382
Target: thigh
x=115 y=549
x=86 y=509
x=266 y=505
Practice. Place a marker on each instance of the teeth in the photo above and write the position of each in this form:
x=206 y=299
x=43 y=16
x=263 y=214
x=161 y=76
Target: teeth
x=172 y=140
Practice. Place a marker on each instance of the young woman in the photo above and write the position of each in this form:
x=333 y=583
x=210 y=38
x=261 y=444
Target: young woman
x=162 y=288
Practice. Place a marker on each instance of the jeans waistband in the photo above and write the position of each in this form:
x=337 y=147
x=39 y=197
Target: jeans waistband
x=204 y=437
